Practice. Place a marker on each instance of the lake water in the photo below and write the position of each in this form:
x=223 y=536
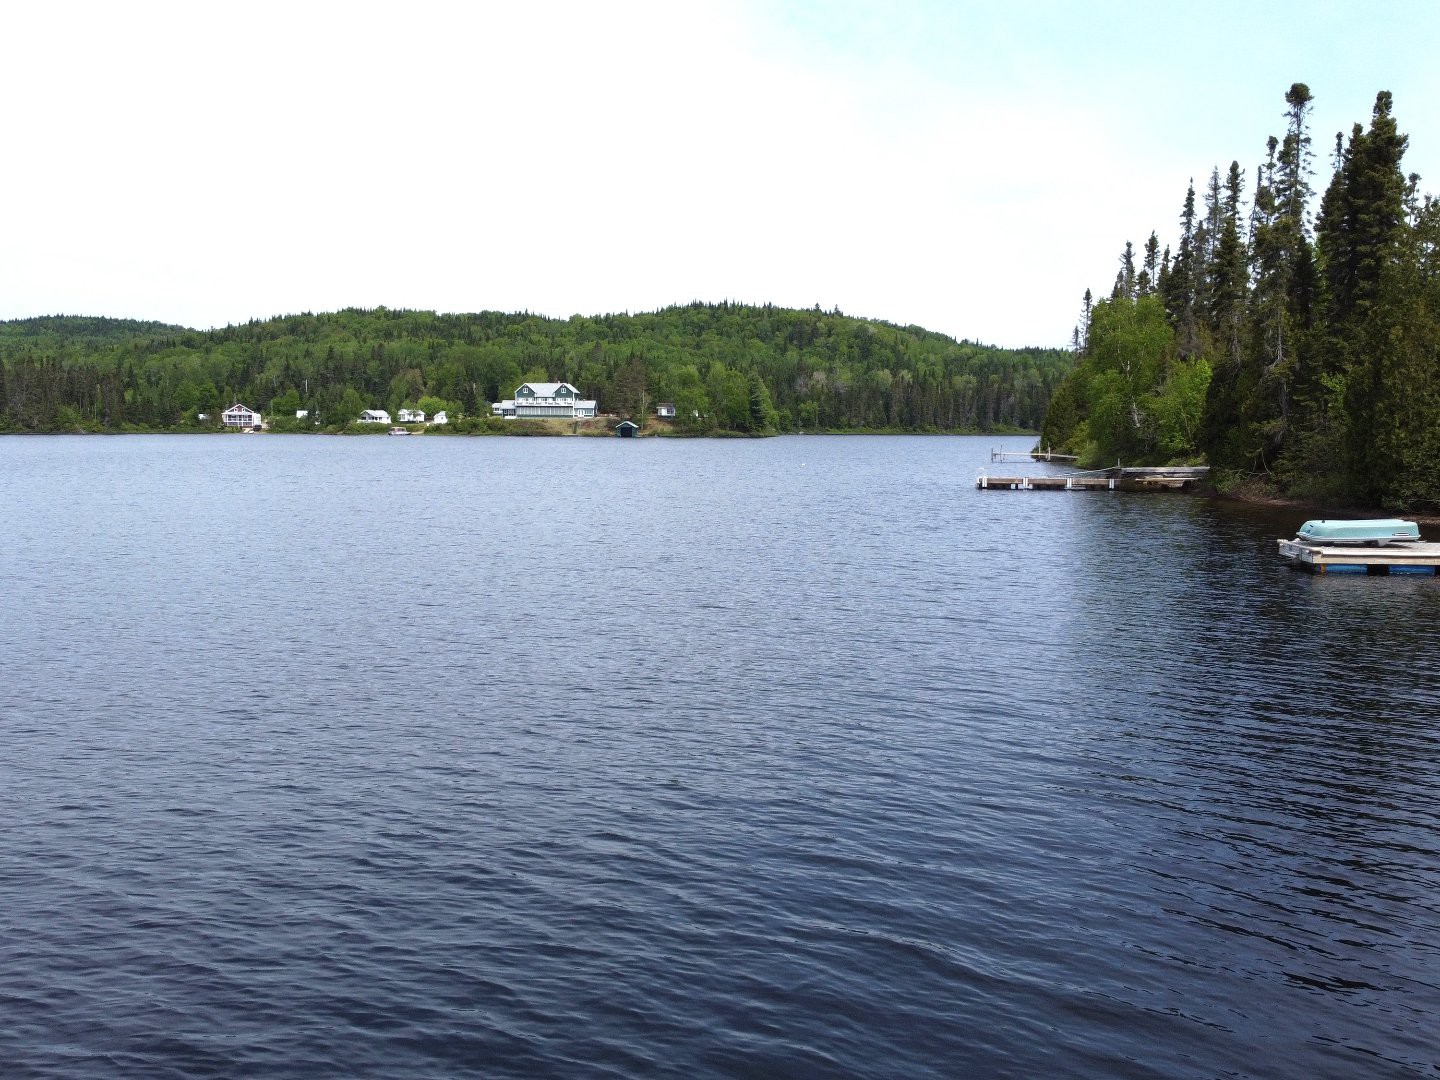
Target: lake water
x=797 y=757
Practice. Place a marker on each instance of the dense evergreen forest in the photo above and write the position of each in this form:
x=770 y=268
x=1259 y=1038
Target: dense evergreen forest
x=727 y=367
x=1299 y=354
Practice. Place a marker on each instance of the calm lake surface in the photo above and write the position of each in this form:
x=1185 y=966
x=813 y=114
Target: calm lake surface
x=786 y=758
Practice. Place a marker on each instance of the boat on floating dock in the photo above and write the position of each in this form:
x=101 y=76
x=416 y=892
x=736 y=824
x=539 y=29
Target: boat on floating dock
x=1374 y=546
x=1379 y=531
x=1118 y=479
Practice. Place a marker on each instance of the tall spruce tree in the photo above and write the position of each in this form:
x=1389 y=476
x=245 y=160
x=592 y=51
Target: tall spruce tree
x=1400 y=445
x=1228 y=431
x=1179 y=296
x=1227 y=276
x=1125 y=277
x=1368 y=314
x=1361 y=215
x=1284 y=271
x=1147 y=279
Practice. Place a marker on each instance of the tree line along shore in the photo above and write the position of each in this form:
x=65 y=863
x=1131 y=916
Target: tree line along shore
x=1295 y=349
x=728 y=368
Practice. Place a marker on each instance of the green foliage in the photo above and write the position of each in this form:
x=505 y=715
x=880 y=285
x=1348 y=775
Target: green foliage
x=727 y=367
x=1064 y=430
x=429 y=404
x=1392 y=392
x=1130 y=398
x=1178 y=408
x=1314 y=464
x=347 y=408
x=286 y=404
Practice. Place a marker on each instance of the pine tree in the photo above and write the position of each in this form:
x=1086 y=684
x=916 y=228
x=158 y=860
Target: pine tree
x=1148 y=278
x=1231 y=431
x=1125 y=277
x=1283 y=270
x=1292 y=198
x=1361 y=232
x=1361 y=215
x=1228 y=276
x=1208 y=234
x=1082 y=329
x=1401 y=438
x=1179 y=296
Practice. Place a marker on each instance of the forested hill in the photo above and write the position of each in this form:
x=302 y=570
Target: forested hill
x=80 y=330
x=727 y=367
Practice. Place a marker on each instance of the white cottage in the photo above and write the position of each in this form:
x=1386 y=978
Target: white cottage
x=239 y=416
x=440 y=418
x=411 y=416
x=374 y=416
x=545 y=400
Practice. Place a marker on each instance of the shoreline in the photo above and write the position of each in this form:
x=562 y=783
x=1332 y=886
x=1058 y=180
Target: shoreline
x=1326 y=511
x=532 y=434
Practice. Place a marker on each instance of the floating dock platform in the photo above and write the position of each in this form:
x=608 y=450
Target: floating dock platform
x=1117 y=479
x=1394 y=558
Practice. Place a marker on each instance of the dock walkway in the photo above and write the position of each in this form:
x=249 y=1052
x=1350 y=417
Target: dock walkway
x=1117 y=479
x=1029 y=455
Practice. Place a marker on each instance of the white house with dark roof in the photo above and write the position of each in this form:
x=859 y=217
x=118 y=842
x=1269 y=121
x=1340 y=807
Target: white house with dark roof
x=545 y=401
x=239 y=416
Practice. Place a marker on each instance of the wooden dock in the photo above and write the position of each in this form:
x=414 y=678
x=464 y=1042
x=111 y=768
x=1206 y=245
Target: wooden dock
x=1402 y=558
x=1029 y=455
x=1046 y=483
x=1117 y=479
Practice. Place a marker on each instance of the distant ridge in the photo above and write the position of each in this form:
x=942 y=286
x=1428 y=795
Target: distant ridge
x=726 y=368
x=84 y=328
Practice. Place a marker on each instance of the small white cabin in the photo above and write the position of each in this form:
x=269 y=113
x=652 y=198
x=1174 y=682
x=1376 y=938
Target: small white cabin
x=665 y=410
x=301 y=414
x=374 y=416
x=239 y=416
x=411 y=416
x=440 y=418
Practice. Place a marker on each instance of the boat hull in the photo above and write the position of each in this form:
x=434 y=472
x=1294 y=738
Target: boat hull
x=1377 y=531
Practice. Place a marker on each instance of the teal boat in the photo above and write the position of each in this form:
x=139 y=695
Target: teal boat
x=1378 y=531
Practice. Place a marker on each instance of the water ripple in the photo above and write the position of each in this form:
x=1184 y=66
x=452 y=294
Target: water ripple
x=703 y=771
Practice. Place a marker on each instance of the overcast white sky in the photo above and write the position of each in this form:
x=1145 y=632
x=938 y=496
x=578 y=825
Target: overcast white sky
x=970 y=167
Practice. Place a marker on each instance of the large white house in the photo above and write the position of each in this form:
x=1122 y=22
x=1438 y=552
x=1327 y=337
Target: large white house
x=550 y=400
x=374 y=416
x=238 y=416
